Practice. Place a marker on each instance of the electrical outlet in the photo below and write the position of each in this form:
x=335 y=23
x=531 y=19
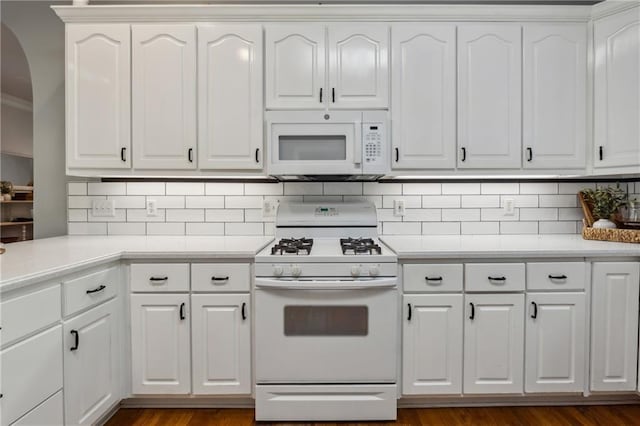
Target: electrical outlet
x=269 y=208
x=152 y=208
x=103 y=208
x=509 y=207
x=398 y=207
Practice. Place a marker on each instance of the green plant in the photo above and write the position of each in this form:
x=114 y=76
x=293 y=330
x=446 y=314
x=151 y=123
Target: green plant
x=6 y=187
x=605 y=201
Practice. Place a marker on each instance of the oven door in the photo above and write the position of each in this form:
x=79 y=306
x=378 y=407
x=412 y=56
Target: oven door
x=318 y=331
x=307 y=144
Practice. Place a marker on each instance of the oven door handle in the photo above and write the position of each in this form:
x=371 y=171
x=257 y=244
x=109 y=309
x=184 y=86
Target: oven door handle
x=326 y=284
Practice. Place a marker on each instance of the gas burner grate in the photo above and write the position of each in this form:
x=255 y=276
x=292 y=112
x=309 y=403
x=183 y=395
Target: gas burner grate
x=359 y=246
x=298 y=246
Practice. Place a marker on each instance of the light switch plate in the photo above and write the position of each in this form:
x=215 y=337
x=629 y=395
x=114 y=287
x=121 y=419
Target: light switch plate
x=152 y=208
x=509 y=207
x=398 y=208
x=103 y=208
x=269 y=208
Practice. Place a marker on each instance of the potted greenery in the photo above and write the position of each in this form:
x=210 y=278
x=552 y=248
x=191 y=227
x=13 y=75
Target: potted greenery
x=6 y=189
x=605 y=202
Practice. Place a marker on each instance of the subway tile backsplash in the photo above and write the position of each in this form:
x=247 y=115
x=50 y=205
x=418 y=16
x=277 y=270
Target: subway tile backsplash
x=217 y=208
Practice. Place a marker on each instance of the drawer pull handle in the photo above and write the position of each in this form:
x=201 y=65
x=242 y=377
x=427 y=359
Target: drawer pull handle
x=76 y=343
x=219 y=279
x=473 y=311
x=557 y=277
x=244 y=311
x=182 y=315
x=534 y=315
x=409 y=315
x=123 y=151
x=497 y=278
x=438 y=279
x=158 y=278
x=97 y=289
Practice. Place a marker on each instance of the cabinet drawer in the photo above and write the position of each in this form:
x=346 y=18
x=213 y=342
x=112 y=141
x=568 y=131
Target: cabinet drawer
x=30 y=312
x=432 y=277
x=47 y=413
x=31 y=372
x=494 y=276
x=155 y=277
x=90 y=290
x=227 y=277
x=556 y=276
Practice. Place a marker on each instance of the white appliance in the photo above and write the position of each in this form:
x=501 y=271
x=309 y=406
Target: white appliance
x=351 y=144
x=326 y=317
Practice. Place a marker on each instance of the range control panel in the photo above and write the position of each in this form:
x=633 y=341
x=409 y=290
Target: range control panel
x=374 y=155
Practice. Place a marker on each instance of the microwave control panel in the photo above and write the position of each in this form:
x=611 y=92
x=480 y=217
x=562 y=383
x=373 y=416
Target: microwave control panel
x=374 y=155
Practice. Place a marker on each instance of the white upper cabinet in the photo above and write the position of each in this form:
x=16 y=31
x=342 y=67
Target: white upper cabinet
x=295 y=66
x=423 y=96
x=614 y=326
x=358 y=66
x=230 y=96
x=304 y=72
x=164 y=96
x=98 y=96
x=489 y=96
x=554 y=90
x=617 y=90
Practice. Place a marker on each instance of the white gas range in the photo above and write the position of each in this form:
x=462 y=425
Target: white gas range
x=326 y=317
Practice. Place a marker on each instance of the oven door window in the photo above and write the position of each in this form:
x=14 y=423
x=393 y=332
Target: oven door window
x=312 y=148
x=326 y=320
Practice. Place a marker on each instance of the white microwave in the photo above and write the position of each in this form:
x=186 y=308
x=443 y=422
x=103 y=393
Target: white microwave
x=351 y=144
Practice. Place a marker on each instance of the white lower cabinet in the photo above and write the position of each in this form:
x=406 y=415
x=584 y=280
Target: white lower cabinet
x=555 y=342
x=91 y=372
x=432 y=348
x=221 y=336
x=493 y=343
x=614 y=325
x=49 y=413
x=160 y=355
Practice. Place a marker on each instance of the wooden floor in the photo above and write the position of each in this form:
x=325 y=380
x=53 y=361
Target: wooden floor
x=605 y=415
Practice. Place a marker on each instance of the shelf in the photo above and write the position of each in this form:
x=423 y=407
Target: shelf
x=17 y=202
x=15 y=223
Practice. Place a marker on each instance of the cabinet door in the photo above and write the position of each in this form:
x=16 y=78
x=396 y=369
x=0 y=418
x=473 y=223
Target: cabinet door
x=358 y=66
x=555 y=343
x=554 y=104
x=489 y=96
x=614 y=325
x=295 y=66
x=493 y=343
x=617 y=90
x=423 y=96
x=432 y=345
x=160 y=344
x=91 y=382
x=98 y=96
x=164 y=96
x=230 y=96
x=221 y=344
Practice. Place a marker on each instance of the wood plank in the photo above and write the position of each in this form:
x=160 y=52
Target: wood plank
x=592 y=415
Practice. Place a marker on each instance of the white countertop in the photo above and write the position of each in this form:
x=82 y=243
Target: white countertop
x=504 y=246
x=30 y=261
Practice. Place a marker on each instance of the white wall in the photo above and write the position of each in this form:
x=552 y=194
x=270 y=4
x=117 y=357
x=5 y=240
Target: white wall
x=41 y=34
x=17 y=130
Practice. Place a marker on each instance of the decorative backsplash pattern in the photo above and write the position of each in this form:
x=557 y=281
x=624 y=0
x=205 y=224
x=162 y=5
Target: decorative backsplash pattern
x=199 y=208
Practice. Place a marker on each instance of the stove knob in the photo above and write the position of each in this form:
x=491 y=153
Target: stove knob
x=296 y=270
x=374 y=270
x=277 y=271
x=355 y=271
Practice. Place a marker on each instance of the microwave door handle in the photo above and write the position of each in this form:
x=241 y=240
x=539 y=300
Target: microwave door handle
x=357 y=144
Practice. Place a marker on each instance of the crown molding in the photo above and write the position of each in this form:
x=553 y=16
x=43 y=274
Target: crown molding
x=611 y=7
x=320 y=12
x=15 y=102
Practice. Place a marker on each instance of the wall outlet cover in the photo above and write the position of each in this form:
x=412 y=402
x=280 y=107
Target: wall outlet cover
x=398 y=208
x=152 y=208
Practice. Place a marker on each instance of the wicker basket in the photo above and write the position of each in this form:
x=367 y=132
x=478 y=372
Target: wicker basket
x=620 y=235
